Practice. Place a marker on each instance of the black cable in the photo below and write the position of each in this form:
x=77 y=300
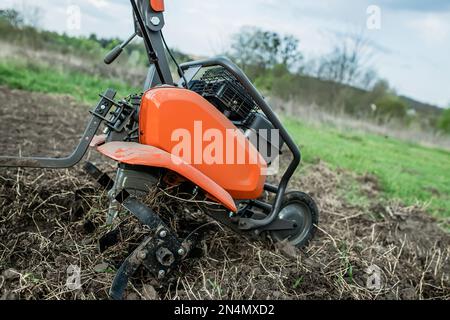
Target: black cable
x=180 y=71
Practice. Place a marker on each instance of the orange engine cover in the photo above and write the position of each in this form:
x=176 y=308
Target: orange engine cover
x=185 y=124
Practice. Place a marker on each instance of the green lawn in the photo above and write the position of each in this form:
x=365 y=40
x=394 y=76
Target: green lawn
x=34 y=77
x=406 y=171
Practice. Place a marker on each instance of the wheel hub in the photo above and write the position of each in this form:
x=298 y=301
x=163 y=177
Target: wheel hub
x=301 y=215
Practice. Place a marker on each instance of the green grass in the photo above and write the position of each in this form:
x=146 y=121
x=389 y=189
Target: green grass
x=406 y=171
x=34 y=77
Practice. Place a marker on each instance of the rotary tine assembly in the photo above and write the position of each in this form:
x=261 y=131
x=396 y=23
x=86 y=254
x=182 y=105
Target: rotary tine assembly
x=160 y=252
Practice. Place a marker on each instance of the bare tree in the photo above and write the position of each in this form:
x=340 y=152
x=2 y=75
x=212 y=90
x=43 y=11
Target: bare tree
x=12 y=16
x=256 y=48
x=348 y=63
x=32 y=16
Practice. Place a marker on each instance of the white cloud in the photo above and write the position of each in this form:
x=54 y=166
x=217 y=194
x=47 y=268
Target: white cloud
x=434 y=28
x=204 y=27
x=98 y=3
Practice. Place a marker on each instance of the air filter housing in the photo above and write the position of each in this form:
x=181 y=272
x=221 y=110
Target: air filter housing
x=228 y=95
x=221 y=88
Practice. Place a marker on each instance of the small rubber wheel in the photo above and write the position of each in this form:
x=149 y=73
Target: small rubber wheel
x=302 y=209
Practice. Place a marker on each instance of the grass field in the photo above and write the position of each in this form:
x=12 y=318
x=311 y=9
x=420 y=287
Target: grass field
x=406 y=171
x=32 y=76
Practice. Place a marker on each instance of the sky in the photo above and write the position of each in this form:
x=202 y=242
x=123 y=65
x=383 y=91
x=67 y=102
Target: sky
x=410 y=39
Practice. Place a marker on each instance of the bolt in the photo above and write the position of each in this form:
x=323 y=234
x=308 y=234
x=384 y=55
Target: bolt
x=181 y=252
x=155 y=21
x=161 y=274
x=103 y=107
x=163 y=234
x=142 y=255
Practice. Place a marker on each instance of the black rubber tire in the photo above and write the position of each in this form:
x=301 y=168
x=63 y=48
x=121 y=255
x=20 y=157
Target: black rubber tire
x=307 y=208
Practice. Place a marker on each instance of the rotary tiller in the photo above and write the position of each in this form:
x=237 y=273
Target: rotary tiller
x=212 y=130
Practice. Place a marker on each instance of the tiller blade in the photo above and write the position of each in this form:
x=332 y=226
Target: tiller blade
x=159 y=253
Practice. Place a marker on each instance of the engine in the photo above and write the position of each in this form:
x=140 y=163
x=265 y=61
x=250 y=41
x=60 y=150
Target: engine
x=222 y=90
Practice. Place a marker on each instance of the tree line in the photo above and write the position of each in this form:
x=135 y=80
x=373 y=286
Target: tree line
x=341 y=81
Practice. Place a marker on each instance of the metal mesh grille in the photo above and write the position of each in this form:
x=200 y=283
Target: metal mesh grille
x=218 y=83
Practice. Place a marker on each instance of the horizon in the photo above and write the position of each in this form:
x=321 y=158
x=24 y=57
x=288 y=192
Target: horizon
x=409 y=42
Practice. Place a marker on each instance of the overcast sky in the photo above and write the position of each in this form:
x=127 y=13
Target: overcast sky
x=412 y=47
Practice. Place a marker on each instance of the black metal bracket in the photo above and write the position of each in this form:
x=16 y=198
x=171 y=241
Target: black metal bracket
x=120 y=117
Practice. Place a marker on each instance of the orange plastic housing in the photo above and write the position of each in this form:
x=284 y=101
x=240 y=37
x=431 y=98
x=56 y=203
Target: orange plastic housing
x=157 y=5
x=170 y=117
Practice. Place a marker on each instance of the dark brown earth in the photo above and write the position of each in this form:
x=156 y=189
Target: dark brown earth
x=50 y=220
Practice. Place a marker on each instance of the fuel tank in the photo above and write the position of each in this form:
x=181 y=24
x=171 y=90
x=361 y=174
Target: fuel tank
x=184 y=124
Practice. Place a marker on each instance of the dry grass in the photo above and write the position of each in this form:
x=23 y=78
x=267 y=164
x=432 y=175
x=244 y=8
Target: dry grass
x=46 y=227
x=315 y=115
